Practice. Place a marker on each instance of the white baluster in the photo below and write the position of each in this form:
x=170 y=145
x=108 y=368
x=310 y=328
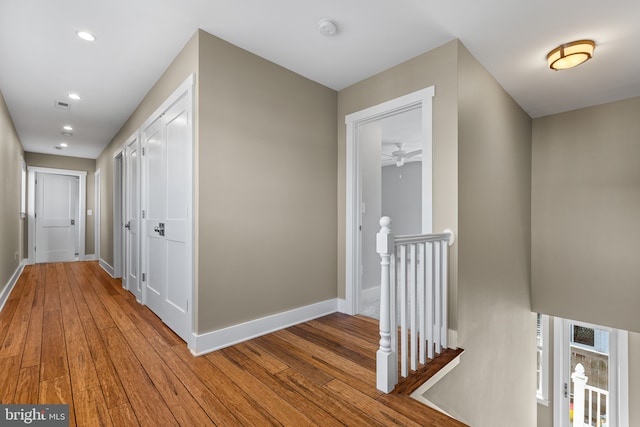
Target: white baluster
x=445 y=296
x=404 y=342
x=579 y=383
x=437 y=267
x=412 y=307
x=429 y=291
x=421 y=307
x=386 y=359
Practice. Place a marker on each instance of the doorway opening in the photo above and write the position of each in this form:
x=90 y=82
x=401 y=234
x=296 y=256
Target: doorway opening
x=389 y=172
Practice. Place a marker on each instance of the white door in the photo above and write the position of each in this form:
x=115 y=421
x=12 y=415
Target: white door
x=593 y=390
x=167 y=215
x=132 y=216
x=56 y=218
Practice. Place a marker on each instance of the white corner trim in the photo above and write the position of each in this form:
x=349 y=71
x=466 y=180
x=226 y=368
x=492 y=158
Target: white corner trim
x=4 y=295
x=221 y=338
x=342 y=305
x=452 y=338
x=106 y=267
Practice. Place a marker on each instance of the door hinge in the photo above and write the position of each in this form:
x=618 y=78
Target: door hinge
x=34 y=249
x=35 y=215
x=144 y=277
x=566 y=390
x=143 y=214
x=143 y=151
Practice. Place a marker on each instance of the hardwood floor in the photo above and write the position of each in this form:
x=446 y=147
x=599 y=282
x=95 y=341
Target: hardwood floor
x=71 y=334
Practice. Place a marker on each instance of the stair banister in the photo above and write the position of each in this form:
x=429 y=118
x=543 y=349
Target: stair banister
x=415 y=266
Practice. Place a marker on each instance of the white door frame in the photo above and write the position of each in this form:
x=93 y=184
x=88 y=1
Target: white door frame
x=97 y=214
x=353 y=253
x=618 y=364
x=118 y=226
x=82 y=198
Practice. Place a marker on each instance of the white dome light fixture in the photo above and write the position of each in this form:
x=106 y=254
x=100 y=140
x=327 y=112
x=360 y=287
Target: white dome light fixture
x=327 y=27
x=85 y=35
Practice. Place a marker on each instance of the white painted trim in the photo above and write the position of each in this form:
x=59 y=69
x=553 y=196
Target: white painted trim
x=82 y=189
x=118 y=231
x=342 y=305
x=418 y=393
x=623 y=380
x=4 y=295
x=221 y=338
x=97 y=213
x=91 y=257
x=618 y=362
x=543 y=398
x=106 y=267
x=353 y=121
x=452 y=338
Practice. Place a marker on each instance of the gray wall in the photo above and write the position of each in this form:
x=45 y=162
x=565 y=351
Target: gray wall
x=585 y=217
x=402 y=197
x=71 y=163
x=11 y=225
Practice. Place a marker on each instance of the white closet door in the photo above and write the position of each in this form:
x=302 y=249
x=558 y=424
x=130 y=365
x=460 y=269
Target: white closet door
x=167 y=230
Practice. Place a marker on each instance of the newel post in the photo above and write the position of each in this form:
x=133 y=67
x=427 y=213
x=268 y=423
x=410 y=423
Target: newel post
x=579 y=383
x=386 y=362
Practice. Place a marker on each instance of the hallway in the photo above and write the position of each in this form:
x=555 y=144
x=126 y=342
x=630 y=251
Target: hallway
x=71 y=334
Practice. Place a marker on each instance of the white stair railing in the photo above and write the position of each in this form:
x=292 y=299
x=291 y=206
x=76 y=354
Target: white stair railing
x=415 y=267
x=583 y=396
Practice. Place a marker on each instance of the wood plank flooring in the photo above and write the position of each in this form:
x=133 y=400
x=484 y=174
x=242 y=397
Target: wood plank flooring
x=70 y=334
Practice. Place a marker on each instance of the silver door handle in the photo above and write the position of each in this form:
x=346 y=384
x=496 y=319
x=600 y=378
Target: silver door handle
x=159 y=229
x=128 y=225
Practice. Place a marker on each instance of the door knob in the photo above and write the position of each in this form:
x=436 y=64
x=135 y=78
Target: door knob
x=159 y=229
x=128 y=225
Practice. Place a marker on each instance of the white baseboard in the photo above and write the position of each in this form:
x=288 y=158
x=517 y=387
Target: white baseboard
x=370 y=294
x=452 y=339
x=221 y=338
x=90 y=257
x=106 y=267
x=4 y=295
x=342 y=306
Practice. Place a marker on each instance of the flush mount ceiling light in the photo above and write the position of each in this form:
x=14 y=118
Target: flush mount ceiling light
x=571 y=54
x=85 y=35
x=67 y=128
x=327 y=27
x=74 y=96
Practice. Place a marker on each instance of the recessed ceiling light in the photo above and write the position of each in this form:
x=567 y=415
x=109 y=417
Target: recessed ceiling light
x=85 y=35
x=67 y=127
x=74 y=96
x=63 y=144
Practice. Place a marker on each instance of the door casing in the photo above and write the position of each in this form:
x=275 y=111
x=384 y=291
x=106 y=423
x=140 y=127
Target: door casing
x=353 y=252
x=31 y=207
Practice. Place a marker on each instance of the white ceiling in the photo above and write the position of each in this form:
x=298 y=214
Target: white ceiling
x=41 y=59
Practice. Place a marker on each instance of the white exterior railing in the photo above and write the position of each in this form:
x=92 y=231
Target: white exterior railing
x=584 y=394
x=413 y=278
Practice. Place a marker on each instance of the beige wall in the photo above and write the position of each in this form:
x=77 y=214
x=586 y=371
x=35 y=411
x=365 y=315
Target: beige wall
x=70 y=163
x=11 y=225
x=482 y=167
x=267 y=188
x=182 y=66
x=586 y=206
x=495 y=383
x=437 y=67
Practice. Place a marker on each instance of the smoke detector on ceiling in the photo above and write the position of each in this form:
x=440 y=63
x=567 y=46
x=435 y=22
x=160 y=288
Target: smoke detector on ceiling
x=327 y=27
x=61 y=105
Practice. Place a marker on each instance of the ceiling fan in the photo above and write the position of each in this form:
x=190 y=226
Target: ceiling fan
x=400 y=156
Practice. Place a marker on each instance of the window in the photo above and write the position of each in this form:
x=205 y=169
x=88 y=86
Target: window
x=542 y=367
